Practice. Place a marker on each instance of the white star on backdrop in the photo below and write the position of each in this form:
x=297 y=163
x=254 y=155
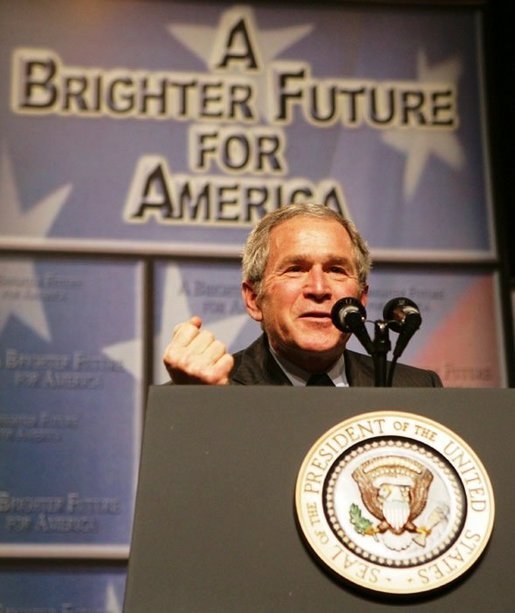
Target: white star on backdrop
x=129 y=354
x=35 y=221
x=111 y=602
x=418 y=145
x=201 y=41
x=20 y=277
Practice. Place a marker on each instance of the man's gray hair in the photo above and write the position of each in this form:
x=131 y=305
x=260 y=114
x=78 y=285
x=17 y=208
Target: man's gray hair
x=256 y=250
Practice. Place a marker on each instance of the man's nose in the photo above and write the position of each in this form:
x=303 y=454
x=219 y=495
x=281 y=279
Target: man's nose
x=317 y=283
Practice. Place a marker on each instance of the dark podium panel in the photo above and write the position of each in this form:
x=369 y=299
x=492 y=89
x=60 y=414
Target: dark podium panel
x=215 y=522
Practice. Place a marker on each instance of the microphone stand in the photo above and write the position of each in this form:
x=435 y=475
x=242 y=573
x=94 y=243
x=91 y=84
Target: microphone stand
x=400 y=314
x=380 y=347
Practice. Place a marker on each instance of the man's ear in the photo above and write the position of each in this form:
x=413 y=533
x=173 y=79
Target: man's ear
x=250 y=300
x=364 y=296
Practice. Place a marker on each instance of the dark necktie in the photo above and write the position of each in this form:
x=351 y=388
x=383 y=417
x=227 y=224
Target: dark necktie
x=320 y=378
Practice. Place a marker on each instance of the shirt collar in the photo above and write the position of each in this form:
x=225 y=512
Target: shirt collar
x=298 y=376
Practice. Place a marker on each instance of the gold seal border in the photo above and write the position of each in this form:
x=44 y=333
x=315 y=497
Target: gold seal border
x=469 y=543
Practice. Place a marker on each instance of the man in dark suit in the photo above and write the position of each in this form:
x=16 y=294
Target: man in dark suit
x=298 y=261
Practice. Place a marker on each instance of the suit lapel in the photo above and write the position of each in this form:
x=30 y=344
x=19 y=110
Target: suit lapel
x=359 y=369
x=256 y=366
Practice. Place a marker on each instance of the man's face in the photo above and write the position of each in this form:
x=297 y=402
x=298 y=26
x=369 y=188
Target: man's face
x=310 y=266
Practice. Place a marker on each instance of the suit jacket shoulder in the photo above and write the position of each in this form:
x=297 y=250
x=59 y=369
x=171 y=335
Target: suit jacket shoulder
x=360 y=373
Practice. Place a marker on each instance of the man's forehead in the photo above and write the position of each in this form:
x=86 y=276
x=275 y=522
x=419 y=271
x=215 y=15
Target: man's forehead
x=291 y=235
x=290 y=229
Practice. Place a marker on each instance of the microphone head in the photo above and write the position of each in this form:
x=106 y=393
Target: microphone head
x=343 y=308
x=399 y=311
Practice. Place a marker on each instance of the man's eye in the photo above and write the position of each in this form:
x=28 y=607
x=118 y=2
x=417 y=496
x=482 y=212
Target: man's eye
x=294 y=268
x=339 y=270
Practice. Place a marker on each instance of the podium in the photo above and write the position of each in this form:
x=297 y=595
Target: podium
x=215 y=525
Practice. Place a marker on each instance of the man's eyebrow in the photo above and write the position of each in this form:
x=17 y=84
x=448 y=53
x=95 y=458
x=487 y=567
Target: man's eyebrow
x=340 y=259
x=298 y=257
x=307 y=257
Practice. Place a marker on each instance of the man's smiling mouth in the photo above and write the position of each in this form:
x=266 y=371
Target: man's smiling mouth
x=316 y=315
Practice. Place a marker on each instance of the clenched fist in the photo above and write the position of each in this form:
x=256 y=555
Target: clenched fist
x=196 y=356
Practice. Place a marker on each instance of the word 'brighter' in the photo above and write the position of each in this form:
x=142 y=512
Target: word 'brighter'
x=42 y=84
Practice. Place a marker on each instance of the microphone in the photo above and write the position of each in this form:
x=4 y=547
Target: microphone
x=349 y=315
x=403 y=316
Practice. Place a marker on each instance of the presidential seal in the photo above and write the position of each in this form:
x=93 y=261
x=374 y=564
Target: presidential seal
x=394 y=502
